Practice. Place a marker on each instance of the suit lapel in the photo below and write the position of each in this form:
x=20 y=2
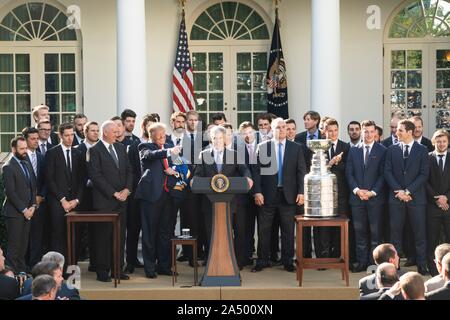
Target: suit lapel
x=287 y=150
x=214 y=165
x=107 y=154
x=361 y=158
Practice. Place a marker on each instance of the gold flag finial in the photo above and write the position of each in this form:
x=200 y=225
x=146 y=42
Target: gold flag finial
x=277 y=3
x=182 y=3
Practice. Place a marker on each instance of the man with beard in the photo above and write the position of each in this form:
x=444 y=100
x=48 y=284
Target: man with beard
x=129 y=121
x=19 y=207
x=78 y=123
x=354 y=132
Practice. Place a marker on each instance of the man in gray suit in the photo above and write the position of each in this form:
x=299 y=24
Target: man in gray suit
x=19 y=207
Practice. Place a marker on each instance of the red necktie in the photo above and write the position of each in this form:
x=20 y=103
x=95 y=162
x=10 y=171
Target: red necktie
x=166 y=166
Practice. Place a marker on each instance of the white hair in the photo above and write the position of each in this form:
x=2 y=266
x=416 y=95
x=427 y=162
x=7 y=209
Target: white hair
x=275 y=122
x=53 y=256
x=107 y=124
x=216 y=130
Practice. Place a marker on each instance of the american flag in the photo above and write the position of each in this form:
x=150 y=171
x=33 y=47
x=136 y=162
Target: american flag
x=183 y=79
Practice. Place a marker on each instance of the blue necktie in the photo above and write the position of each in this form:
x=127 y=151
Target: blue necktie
x=280 y=165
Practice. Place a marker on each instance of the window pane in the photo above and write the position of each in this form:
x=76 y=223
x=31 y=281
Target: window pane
x=11 y=22
x=52 y=101
x=202 y=101
x=215 y=82
x=216 y=102
x=200 y=81
x=23 y=83
x=6 y=103
x=51 y=63
x=35 y=10
x=5 y=140
x=198 y=34
x=215 y=61
x=244 y=117
x=22 y=63
x=23 y=103
x=22 y=13
x=243 y=12
x=6 y=83
x=398 y=99
x=215 y=12
x=68 y=103
x=443 y=99
x=68 y=62
x=260 y=101
x=67 y=118
x=260 y=33
x=244 y=81
x=398 y=59
x=414 y=59
x=68 y=82
x=443 y=79
x=254 y=21
x=7 y=123
x=260 y=61
x=60 y=22
x=67 y=35
x=204 y=21
x=415 y=79
x=259 y=82
x=52 y=82
x=244 y=101
x=6 y=63
x=229 y=8
x=23 y=121
x=398 y=80
x=199 y=61
x=443 y=59
x=244 y=62
x=6 y=35
x=49 y=13
x=414 y=100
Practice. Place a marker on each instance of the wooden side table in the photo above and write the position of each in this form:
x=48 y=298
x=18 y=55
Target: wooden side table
x=95 y=216
x=331 y=263
x=189 y=242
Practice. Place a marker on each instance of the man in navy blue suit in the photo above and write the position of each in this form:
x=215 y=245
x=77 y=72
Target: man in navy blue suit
x=157 y=213
x=406 y=172
x=364 y=173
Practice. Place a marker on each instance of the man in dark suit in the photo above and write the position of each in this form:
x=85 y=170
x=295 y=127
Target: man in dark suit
x=406 y=172
x=41 y=113
x=438 y=191
x=9 y=287
x=278 y=176
x=44 y=127
x=418 y=133
x=64 y=177
x=157 y=214
x=384 y=253
x=78 y=125
x=84 y=236
x=327 y=238
x=112 y=178
x=36 y=159
x=20 y=203
x=215 y=160
x=128 y=117
x=386 y=276
x=134 y=225
x=392 y=139
x=364 y=173
x=444 y=292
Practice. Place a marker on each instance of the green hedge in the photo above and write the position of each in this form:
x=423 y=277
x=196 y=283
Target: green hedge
x=3 y=234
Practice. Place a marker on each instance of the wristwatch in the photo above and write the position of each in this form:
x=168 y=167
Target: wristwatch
x=407 y=192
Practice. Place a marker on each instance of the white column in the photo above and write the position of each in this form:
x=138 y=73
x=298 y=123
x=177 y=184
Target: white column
x=131 y=57
x=326 y=58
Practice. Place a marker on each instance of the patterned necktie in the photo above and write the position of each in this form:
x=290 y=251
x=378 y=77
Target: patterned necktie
x=34 y=162
x=251 y=154
x=43 y=148
x=441 y=162
x=166 y=166
x=219 y=161
x=366 y=157
x=113 y=155
x=280 y=164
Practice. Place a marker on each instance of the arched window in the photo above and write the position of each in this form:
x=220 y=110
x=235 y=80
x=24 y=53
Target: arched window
x=229 y=76
x=40 y=63
x=421 y=19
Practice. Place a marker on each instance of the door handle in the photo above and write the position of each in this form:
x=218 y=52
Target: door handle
x=425 y=106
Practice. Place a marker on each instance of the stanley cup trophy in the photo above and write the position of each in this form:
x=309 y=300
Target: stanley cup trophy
x=321 y=191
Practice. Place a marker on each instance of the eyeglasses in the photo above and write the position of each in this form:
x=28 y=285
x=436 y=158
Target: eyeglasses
x=46 y=130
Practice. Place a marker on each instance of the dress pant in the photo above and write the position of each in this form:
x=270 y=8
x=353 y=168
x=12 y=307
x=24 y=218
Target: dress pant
x=437 y=220
x=275 y=237
x=157 y=230
x=85 y=232
x=243 y=220
x=408 y=241
x=18 y=234
x=417 y=217
x=367 y=226
x=103 y=238
x=250 y=210
x=58 y=227
x=37 y=234
x=133 y=229
x=287 y=214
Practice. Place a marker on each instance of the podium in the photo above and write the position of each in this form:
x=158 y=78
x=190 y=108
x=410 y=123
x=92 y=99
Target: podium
x=221 y=268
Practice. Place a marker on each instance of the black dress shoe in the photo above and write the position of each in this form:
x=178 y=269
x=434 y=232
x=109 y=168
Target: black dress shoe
x=103 y=278
x=249 y=262
x=289 y=268
x=359 y=268
x=422 y=270
x=257 y=268
x=129 y=269
x=182 y=258
x=410 y=263
x=137 y=264
x=123 y=276
x=275 y=263
x=151 y=275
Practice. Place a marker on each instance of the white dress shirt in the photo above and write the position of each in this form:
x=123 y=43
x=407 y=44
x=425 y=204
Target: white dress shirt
x=443 y=158
x=64 y=149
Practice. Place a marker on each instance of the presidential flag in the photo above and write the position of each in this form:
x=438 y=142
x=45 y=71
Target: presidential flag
x=183 y=79
x=277 y=92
